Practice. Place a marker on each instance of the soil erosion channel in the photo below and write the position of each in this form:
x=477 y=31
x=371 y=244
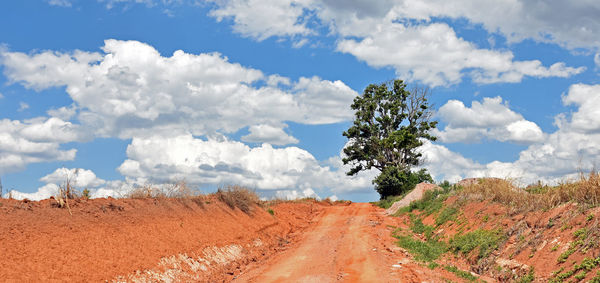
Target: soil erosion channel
x=349 y=243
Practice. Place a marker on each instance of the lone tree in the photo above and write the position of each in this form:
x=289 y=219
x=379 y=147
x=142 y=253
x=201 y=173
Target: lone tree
x=390 y=124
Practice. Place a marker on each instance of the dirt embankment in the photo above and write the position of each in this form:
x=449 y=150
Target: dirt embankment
x=479 y=238
x=145 y=239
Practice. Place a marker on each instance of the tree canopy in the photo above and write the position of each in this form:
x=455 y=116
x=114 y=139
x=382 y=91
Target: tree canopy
x=389 y=126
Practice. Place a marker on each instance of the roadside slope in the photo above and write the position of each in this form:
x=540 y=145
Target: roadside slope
x=122 y=239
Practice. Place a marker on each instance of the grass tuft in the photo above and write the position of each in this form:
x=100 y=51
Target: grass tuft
x=237 y=196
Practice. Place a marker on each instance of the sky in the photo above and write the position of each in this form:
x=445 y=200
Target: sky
x=116 y=94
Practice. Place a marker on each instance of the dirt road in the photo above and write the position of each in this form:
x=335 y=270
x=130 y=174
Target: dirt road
x=348 y=244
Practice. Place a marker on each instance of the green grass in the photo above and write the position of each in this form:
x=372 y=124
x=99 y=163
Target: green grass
x=527 y=278
x=460 y=273
x=484 y=240
x=418 y=227
x=427 y=251
x=447 y=214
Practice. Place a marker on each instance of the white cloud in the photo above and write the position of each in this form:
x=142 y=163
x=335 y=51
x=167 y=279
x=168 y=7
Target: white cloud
x=61 y=3
x=597 y=59
x=131 y=90
x=44 y=192
x=216 y=162
x=573 y=148
x=269 y=134
x=491 y=119
x=261 y=19
x=34 y=140
x=78 y=178
x=23 y=106
x=404 y=36
x=435 y=55
x=294 y=194
x=1 y=95
x=571 y=24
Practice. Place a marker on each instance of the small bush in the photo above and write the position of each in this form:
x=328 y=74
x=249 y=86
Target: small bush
x=270 y=211
x=460 y=273
x=485 y=240
x=424 y=251
x=240 y=197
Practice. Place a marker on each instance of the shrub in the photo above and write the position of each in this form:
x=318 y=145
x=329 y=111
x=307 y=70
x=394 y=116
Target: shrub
x=237 y=196
x=429 y=250
x=485 y=240
x=394 y=181
x=460 y=273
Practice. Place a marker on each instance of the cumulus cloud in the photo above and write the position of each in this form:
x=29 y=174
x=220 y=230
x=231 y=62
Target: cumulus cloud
x=261 y=19
x=573 y=148
x=221 y=161
x=78 y=178
x=35 y=140
x=403 y=34
x=294 y=194
x=491 y=119
x=131 y=90
x=269 y=134
x=434 y=54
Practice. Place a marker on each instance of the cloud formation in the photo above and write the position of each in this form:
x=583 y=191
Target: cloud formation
x=491 y=119
x=131 y=90
x=35 y=140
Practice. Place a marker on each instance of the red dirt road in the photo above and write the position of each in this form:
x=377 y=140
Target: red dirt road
x=348 y=244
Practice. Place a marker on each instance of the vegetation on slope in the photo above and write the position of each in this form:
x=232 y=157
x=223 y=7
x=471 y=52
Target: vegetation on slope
x=505 y=223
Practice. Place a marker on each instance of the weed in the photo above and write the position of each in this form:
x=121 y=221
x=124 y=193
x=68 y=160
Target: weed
x=85 y=193
x=596 y=278
x=554 y=248
x=579 y=276
x=270 y=211
x=485 y=240
x=550 y=223
x=460 y=273
x=528 y=278
x=424 y=251
x=589 y=217
x=485 y=218
x=447 y=214
x=418 y=227
x=240 y=197
x=432 y=265
x=564 y=256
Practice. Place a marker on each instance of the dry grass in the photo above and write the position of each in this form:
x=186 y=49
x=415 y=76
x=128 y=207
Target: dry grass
x=237 y=196
x=585 y=192
x=176 y=190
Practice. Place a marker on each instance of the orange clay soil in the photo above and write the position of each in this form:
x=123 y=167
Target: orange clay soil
x=348 y=244
x=153 y=239
x=202 y=240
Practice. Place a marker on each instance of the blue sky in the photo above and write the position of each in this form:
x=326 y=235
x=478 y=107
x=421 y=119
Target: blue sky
x=121 y=93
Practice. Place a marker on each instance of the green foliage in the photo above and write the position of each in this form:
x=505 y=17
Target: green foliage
x=393 y=181
x=431 y=202
x=460 y=273
x=447 y=214
x=428 y=251
x=589 y=218
x=270 y=211
x=485 y=240
x=389 y=126
x=86 y=193
x=528 y=278
x=418 y=227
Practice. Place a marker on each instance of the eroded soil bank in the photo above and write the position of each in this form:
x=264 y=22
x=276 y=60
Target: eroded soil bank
x=142 y=239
